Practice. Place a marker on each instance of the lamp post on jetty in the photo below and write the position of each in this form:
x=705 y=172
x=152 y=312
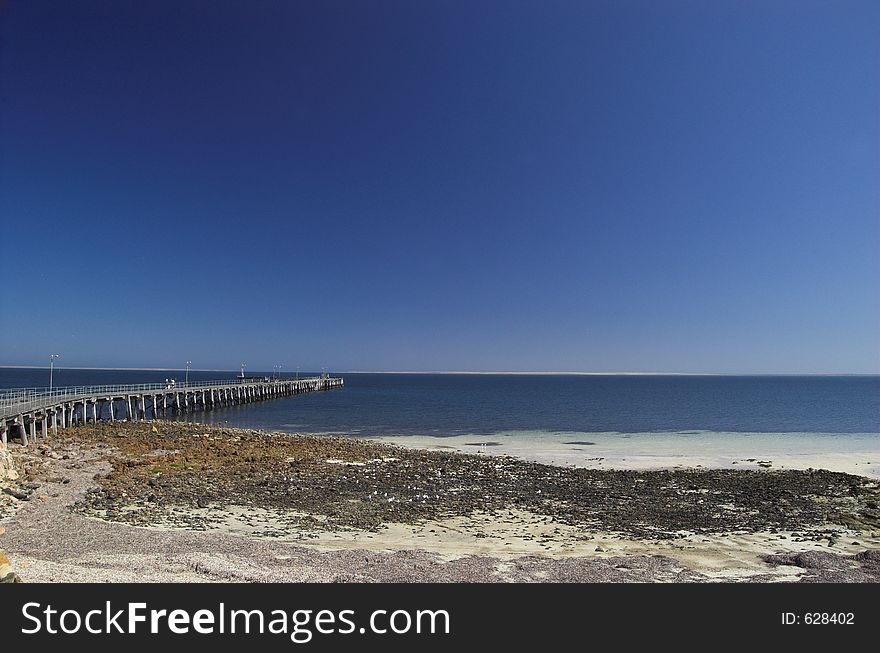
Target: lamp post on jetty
x=52 y=358
x=243 y=365
x=186 y=380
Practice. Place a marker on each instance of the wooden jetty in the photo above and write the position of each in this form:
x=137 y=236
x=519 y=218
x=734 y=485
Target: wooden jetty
x=27 y=412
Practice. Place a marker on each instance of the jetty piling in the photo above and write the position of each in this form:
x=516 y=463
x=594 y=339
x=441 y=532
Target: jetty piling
x=22 y=409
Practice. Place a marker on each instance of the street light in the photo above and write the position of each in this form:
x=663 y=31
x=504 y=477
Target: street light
x=188 y=363
x=243 y=365
x=297 y=372
x=52 y=358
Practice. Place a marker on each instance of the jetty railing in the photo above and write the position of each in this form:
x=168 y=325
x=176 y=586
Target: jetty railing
x=16 y=400
x=22 y=410
x=133 y=387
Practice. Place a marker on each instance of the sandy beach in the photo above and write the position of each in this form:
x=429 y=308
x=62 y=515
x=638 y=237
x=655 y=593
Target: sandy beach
x=171 y=501
x=852 y=453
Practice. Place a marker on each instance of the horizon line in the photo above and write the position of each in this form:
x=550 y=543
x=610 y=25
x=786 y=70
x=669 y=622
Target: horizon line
x=577 y=373
x=458 y=372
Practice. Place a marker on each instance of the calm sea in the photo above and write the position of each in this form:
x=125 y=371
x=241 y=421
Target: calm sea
x=451 y=405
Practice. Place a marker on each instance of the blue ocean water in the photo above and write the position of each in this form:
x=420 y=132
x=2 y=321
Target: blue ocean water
x=449 y=404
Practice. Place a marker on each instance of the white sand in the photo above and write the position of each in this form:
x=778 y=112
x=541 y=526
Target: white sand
x=516 y=533
x=857 y=453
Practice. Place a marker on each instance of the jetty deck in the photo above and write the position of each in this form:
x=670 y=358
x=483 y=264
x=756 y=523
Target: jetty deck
x=27 y=412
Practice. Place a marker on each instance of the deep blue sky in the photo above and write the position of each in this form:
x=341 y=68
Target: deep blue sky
x=456 y=185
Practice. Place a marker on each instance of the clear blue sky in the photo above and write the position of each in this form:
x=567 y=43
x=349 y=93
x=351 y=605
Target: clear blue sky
x=456 y=185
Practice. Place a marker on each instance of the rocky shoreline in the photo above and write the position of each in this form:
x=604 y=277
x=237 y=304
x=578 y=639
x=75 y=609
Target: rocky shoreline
x=332 y=483
x=185 y=476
